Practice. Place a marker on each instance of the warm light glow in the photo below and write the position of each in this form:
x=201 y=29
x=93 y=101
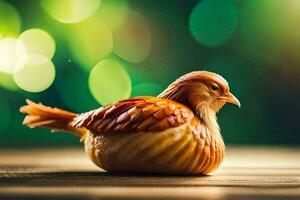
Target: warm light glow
x=90 y=42
x=109 y=82
x=8 y=54
x=270 y=31
x=70 y=11
x=212 y=22
x=34 y=74
x=35 y=41
x=262 y=39
x=10 y=22
x=132 y=38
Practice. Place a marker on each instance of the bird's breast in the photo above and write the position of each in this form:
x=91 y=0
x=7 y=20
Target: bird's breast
x=187 y=149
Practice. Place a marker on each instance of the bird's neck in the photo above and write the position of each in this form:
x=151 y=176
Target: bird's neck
x=208 y=117
x=196 y=102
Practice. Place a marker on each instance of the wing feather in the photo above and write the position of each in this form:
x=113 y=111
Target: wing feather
x=135 y=114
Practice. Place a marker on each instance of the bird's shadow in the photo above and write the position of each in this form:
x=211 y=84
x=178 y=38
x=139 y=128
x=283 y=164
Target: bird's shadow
x=93 y=178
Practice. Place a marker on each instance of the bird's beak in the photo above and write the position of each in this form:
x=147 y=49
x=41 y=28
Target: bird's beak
x=230 y=98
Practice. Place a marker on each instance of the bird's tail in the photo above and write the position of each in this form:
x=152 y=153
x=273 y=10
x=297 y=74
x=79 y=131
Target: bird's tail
x=56 y=119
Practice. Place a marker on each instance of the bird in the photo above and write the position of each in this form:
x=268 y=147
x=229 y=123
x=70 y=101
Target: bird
x=175 y=133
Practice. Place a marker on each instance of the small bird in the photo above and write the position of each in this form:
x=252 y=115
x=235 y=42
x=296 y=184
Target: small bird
x=174 y=133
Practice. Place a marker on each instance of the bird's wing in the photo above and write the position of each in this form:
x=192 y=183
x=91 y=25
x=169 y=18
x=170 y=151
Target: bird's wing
x=134 y=115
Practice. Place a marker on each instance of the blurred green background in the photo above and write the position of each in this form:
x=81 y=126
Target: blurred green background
x=79 y=54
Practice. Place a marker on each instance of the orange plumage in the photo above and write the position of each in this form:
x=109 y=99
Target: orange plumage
x=174 y=133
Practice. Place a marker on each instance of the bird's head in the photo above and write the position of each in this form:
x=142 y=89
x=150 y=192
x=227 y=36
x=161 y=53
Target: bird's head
x=204 y=92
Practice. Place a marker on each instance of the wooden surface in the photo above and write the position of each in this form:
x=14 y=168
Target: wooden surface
x=247 y=173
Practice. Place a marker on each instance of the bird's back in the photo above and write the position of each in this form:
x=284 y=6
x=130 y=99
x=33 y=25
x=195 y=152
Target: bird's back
x=135 y=115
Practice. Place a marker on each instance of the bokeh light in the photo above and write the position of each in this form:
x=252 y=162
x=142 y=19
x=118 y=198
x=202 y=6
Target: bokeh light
x=70 y=11
x=113 y=12
x=90 y=42
x=132 y=38
x=5 y=115
x=270 y=31
x=137 y=74
x=34 y=74
x=8 y=54
x=262 y=39
x=212 y=22
x=10 y=22
x=35 y=41
x=109 y=82
x=146 y=89
x=7 y=82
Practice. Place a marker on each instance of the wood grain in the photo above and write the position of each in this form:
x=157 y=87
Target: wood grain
x=247 y=173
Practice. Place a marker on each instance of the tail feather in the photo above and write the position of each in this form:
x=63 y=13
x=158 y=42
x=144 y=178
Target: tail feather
x=39 y=115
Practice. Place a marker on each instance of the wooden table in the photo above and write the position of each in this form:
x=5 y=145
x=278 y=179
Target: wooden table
x=247 y=173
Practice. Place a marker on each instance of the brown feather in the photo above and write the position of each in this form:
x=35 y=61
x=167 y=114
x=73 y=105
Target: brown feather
x=140 y=112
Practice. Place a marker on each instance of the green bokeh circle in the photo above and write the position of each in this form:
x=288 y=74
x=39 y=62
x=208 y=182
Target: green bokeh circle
x=212 y=22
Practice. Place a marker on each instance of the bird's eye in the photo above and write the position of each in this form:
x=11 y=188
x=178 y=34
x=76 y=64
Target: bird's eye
x=214 y=87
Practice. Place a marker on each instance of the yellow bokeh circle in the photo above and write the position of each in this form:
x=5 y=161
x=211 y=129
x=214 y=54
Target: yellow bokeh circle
x=109 y=82
x=34 y=74
x=35 y=41
x=90 y=42
x=70 y=11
